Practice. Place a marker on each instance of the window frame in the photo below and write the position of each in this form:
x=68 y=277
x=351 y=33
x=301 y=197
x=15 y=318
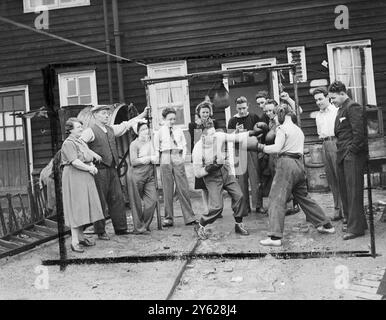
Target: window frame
x=58 y=5
x=63 y=87
x=371 y=94
x=151 y=69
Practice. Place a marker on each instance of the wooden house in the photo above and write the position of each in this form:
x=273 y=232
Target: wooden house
x=174 y=37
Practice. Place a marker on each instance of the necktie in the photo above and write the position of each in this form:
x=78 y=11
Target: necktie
x=172 y=137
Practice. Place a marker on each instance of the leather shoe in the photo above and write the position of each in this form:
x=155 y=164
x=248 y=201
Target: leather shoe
x=337 y=215
x=77 y=248
x=103 y=236
x=349 y=236
x=137 y=232
x=122 y=232
x=261 y=210
x=191 y=223
x=167 y=223
x=240 y=229
x=87 y=243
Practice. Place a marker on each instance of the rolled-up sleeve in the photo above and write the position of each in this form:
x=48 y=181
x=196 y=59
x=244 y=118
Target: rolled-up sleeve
x=120 y=129
x=279 y=142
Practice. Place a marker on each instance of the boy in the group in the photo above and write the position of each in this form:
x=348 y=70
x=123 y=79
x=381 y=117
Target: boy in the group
x=170 y=143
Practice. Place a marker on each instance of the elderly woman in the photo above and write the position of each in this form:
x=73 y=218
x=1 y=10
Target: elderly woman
x=81 y=202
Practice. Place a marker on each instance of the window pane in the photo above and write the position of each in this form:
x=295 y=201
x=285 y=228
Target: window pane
x=9 y=134
x=8 y=119
x=72 y=101
x=84 y=86
x=1 y=119
x=1 y=103
x=19 y=133
x=180 y=117
x=85 y=100
x=8 y=104
x=71 y=85
x=35 y=3
x=1 y=134
x=18 y=102
x=18 y=121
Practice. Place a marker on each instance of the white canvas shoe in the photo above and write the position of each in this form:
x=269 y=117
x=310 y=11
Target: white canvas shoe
x=322 y=229
x=270 y=242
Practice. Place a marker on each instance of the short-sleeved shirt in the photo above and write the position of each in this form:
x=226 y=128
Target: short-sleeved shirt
x=73 y=149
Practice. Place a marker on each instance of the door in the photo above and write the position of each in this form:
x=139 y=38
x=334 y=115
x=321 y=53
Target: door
x=13 y=164
x=249 y=85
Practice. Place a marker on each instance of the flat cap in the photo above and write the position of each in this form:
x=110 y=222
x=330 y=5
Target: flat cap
x=100 y=107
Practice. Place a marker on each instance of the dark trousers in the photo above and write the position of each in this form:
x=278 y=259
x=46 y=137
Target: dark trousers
x=110 y=194
x=350 y=179
x=330 y=165
x=216 y=182
x=143 y=177
x=252 y=175
x=290 y=178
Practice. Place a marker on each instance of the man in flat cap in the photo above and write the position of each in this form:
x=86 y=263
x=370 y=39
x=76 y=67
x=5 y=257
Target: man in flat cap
x=100 y=138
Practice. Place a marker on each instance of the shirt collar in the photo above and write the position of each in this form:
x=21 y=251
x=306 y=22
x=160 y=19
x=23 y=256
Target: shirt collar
x=238 y=116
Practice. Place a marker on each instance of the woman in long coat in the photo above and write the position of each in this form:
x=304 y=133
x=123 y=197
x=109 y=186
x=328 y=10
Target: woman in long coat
x=81 y=203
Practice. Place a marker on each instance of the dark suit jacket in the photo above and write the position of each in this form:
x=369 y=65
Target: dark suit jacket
x=350 y=130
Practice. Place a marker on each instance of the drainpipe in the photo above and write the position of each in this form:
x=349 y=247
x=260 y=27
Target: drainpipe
x=108 y=49
x=117 y=36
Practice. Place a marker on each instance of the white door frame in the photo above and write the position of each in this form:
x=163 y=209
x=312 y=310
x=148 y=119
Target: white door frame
x=248 y=63
x=27 y=139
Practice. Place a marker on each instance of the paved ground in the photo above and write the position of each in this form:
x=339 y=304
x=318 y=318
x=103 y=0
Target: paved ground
x=22 y=276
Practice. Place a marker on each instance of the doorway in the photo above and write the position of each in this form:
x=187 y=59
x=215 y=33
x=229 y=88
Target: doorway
x=13 y=160
x=249 y=84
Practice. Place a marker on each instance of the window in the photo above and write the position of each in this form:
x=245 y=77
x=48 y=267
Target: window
x=297 y=55
x=169 y=94
x=352 y=63
x=11 y=127
x=32 y=5
x=78 y=88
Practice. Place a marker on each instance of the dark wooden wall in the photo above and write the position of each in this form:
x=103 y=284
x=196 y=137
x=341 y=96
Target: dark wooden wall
x=209 y=33
x=205 y=33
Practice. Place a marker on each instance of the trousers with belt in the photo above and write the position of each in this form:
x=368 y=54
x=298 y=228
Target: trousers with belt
x=111 y=197
x=172 y=168
x=290 y=178
x=144 y=189
x=216 y=182
x=350 y=179
x=330 y=165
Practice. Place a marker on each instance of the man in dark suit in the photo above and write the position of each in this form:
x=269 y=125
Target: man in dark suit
x=350 y=132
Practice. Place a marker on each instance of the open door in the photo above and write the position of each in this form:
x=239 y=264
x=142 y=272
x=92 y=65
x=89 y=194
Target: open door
x=248 y=86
